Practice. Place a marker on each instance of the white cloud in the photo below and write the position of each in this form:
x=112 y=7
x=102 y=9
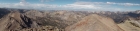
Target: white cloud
x=77 y=5
x=82 y=5
x=26 y=6
x=110 y=2
x=82 y=0
x=45 y=1
x=49 y=0
x=73 y=6
x=129 y=4
x=124 y=4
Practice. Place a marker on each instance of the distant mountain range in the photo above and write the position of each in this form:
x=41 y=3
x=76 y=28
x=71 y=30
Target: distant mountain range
x=63 y=20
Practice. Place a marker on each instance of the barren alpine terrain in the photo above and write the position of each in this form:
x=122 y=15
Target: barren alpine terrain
x=63 y=20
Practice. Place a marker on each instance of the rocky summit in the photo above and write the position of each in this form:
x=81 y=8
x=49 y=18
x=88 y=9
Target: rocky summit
x=94 y=23
x=64 y=20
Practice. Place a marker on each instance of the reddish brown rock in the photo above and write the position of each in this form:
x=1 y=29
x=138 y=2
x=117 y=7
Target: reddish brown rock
x=94 y=23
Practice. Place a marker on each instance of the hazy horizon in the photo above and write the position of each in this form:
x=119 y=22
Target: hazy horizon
x=90 y=5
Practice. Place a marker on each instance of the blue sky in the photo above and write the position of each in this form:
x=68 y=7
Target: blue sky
x=92 y=5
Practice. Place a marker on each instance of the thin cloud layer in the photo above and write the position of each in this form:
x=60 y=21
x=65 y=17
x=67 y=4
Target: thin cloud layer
x=73 y=6
x=124 y=4
x=45 y=1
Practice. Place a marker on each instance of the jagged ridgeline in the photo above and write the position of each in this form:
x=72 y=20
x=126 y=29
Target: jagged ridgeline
x=20 y=19
x=64 y=20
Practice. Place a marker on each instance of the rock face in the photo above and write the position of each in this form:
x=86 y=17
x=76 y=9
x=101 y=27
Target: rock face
x=20 y=20
x=15 y=21
x=94 y=23
x=35 y=20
